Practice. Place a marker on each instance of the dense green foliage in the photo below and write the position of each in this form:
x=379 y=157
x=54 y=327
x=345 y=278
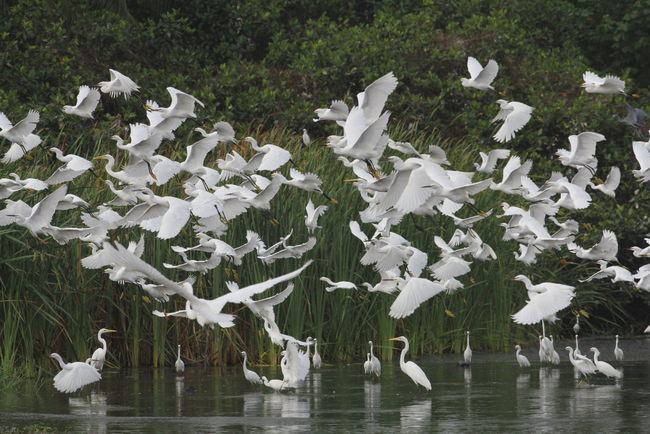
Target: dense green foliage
x=265 y=66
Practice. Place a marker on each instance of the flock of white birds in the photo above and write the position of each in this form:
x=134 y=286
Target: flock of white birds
x=418 y=183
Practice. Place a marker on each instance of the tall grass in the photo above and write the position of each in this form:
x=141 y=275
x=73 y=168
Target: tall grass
x=50 y=303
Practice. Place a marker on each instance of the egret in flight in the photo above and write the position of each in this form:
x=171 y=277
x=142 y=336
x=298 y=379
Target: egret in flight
x=73 y=376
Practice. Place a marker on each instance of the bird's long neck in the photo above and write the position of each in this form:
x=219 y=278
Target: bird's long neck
x=372 y=354
x=543 y=329
x=468 y=340
x=616 y=346
x=179 y=353
x=518 y=351
x=576 y=342
x=403 y=355
x=60 y=360
x=315 y=346
x=596 y=354
x=527 y=283
x=245 y=358
x=102 y=340
x=571 y=356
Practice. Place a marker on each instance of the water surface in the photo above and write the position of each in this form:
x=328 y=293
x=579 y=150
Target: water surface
x=493 y=395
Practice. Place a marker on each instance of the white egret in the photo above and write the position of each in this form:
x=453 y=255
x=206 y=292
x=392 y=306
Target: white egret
x=99 y=355
x=640 y=252
x=20 y=136
x=604 y=367
x=642 y=277
x=251 y=376
x=367 y=369
x=467 y=354
x=373 y=99
x=545 y=300
x=577 y=349
x=179 y=365
x=87 y=100
x=10 y=186
x=581 y=363
x=555 y=357
x=74 y=166
x=410 y=368
x=18 y=133
x=611 y=183
x=311 y=219
x=480 y=78
x=642 y=155
x=521 y=359
x=617 y=273
x=618 y=352
x=306 y=140
x=375 y=364
x=73 y=376
x=606 y=85
x=489 y=160
x=333 y=286
x=316 y=359
x=576 y=326
x=338 y=111
x=295 y=363
x=182 y=105
x=582 y=152
x=38 y=217
x=295 y=251
x=119 y=84
x=606 y=249
x=269 y=157
x=512 y=174
x=206 y=312
x=413 y=292
x=277 y=385
x=515 y=116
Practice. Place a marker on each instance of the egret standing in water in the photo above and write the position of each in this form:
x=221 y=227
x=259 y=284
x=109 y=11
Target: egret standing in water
x=99 y=356
x=251 y=376
x=179 y=365
x=467 y=355
x=367 y=365
x=410 y=368
x=604 y=367
x=618 y=353
x=375 y=364
x=316 y=360
x=521 y=359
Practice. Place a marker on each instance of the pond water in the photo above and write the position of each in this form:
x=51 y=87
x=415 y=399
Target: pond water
x=493 y=395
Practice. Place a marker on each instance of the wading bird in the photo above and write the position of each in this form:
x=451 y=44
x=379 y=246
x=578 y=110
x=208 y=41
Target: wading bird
x=410 y=368
x=521 y=359
x=251 y=376
x=99 y=355
x=179 y=365
x=604 y=367
x=618 y=353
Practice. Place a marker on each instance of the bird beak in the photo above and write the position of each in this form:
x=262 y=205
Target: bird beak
x=100 y=157
x=393 y=339
x=110 y=331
